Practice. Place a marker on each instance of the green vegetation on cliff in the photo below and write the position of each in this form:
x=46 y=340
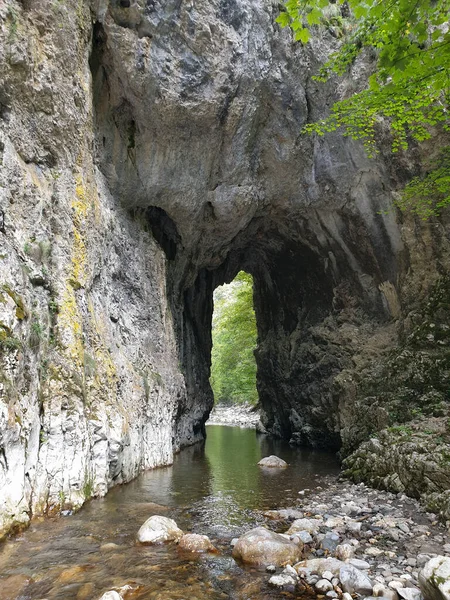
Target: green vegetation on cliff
x=410 y=86
x=233 y=369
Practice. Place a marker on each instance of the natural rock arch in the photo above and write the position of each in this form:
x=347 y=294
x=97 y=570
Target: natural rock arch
x=207 y=145
x=153 y=149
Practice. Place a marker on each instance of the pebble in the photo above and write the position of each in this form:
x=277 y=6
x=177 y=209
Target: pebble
x=374 y=551
x=282 y=581
x=330 y=542
x=344 y=551
x=324 y=585
x=396 y=585
x=303 y=536
x=382 y=591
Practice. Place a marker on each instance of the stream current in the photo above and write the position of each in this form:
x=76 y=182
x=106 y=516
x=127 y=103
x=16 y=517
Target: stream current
x=215 y=489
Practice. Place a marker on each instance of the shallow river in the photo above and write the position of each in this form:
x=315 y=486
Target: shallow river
x=216 y=489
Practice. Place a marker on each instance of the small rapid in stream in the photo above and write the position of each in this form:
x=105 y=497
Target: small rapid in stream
x=215 y=489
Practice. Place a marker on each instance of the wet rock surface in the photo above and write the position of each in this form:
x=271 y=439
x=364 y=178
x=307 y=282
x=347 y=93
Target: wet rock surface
x=159 y=529
x=273 y=462
x=194 y=542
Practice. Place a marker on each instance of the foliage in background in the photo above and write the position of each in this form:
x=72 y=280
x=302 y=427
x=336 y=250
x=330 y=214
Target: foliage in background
x=410 y=88
x=233 y=368
x=426 y=195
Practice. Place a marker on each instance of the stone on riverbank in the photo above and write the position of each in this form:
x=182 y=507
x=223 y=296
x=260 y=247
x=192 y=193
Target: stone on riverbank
x=434 y=579
x=159 y=529
x=194 y=542
x=283 y=581
x=355 y=581
x=309 y=525
x=320 y=566
x=260 y=546
x=273 y=462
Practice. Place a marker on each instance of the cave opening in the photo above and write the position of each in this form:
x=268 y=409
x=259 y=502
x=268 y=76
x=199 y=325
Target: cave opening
x=234 y=339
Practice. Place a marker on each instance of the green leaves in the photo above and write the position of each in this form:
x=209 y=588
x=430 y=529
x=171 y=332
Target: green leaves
x=425 y=196
x=314 y=17
x=233 y=369
x=283 y=19
x=301 y=35
x=410 y=89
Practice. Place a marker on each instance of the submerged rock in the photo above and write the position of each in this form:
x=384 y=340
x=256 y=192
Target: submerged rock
x=284 y=514
x=158 y=529
x=111 y=595
x=263 y=547
x=434 y=579
x=273 y=462
x=194 y=542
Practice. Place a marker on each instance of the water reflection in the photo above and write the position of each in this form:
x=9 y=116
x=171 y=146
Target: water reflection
x=216 y=489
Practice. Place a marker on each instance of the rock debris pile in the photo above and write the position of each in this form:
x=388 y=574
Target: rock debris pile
x=235 y=415
x=342 y=542
x=356 y=540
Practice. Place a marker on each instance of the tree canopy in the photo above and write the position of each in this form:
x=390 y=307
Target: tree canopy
x=233 y=368
x=410 y=86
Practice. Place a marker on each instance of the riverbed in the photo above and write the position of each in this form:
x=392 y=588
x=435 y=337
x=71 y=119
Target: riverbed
x=214 y=488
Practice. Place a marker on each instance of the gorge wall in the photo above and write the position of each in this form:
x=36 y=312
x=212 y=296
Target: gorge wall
x=148 y=152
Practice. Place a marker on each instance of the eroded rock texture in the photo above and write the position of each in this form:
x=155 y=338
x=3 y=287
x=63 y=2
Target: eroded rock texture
x=149 y=151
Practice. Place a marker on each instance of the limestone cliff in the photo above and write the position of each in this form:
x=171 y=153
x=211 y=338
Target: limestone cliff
x=149 y=150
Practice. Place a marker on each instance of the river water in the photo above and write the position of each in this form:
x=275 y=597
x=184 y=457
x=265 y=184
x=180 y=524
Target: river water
x=216 y=489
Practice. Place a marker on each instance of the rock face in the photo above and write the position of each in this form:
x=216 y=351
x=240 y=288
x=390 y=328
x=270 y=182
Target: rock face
x=159 y=529
x=148 y=152
x=263 y=547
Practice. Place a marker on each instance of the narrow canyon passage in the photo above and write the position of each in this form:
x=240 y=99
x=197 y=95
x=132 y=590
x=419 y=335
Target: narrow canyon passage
x=149 y=152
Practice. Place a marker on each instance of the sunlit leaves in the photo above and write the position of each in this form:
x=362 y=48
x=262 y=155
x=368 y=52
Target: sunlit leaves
x=427 y=195
x=410 y=88
x=233 y=369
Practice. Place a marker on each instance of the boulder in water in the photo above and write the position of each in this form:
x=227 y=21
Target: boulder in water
x=273 y=462
x=158 y=529
x=194 y=542
x=260 y=546
x=111 y=595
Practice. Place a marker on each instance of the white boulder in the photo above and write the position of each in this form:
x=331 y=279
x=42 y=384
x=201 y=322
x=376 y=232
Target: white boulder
x=434 y=579
x=273 y=462
x=159 y=529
